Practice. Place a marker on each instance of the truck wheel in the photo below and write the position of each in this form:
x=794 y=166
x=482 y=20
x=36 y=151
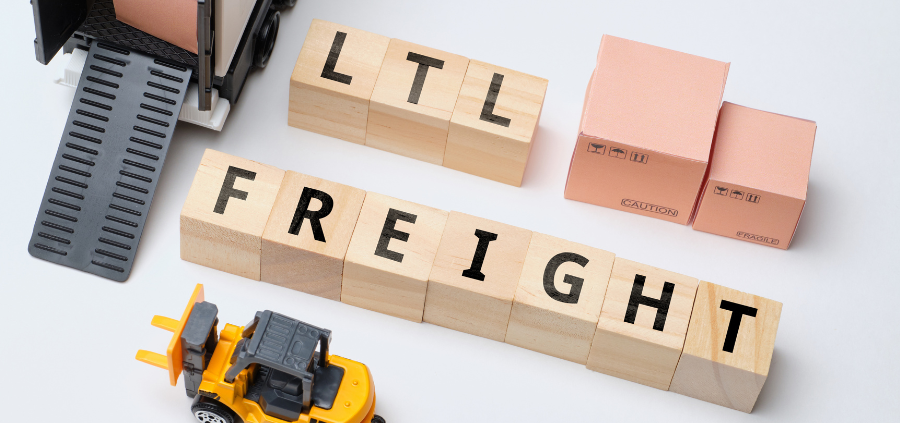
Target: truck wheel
x=212 y=412
x=378 y=419
x=265 y=39
x=283 y=4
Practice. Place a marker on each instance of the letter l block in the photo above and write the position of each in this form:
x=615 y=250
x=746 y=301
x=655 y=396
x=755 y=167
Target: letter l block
x=226 y=211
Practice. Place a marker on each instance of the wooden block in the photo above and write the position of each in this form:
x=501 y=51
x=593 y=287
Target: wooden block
x=559 y=296
x=728 y=348
x=642 y=324
x=226 y=211
x=390 y=256
x=308 y=233
x=413 y=101
x=475 y=274
x=333 y=80
x=494 y=122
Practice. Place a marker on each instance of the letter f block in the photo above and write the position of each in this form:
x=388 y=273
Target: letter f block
x=226 y=211
x=728 y=348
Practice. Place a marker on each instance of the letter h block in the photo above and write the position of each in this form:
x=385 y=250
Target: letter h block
x=390 y=256
x=333 y=80
x=308 y=233
x=475 y=274
x=642 y=324
x=558 y=300
x=728 y=348
x=226 y=211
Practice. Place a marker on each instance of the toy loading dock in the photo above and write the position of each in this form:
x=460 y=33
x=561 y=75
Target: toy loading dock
x=130 y=94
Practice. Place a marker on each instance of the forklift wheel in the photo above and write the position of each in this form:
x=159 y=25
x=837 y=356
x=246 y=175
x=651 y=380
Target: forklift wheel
x=378 y=419
x=283 y=4
x=265 y=39
x=212 y=412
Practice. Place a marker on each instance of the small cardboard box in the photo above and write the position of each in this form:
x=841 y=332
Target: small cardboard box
x=174 y=21
x=757 y=181
x=646 y=130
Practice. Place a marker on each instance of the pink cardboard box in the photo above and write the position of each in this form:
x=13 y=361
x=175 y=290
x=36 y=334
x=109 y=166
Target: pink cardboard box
x=646 y=130
x=174 y=21
x=758 y=178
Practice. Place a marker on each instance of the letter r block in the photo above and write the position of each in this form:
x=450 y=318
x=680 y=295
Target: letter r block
x=728 y=348
x=642 y=324
x=333 y=80
x=390 y=256
x=475 y=274
x=413 y=101
x=226 y=211
x=494 y=122
x=308 y=233
x=558 y=300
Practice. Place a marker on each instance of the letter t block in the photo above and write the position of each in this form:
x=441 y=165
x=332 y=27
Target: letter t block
x=728 y=348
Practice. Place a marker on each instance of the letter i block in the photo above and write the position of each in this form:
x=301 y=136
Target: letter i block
x=333 y=80
x=494 y=122
x=390 y=256
x=475 y=274
x=559 y=297
x=728 y=348
x=308 y=233
x=642 y=324
x=226 y=211
x=413 y=101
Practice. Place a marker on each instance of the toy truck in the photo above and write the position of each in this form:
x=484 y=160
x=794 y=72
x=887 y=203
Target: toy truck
x=132 y=88
x=268 y=371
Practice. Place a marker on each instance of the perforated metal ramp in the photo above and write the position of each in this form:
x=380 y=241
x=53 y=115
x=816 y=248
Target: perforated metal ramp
x=109 y=160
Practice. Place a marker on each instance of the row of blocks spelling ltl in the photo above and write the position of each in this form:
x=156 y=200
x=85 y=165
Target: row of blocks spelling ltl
x=486 y=278
x=415 y=101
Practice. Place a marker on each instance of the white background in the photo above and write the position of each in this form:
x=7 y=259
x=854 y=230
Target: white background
x=69 y=338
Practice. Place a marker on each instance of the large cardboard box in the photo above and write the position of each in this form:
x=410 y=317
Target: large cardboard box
x=758 y=178
x=646 y=130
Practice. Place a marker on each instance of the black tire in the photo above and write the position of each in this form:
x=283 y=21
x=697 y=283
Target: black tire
x=207 y=411
x=265 y=39
x=283 y=4
x=377 y=419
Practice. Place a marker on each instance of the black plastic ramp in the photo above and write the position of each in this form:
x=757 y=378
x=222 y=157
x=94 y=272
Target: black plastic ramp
x=109 y=161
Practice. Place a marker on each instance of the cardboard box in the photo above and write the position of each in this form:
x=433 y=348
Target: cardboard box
x=758 y=178
x=174 y=21
x=646 y=130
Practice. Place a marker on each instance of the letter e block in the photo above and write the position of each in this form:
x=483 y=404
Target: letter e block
x=333 y=80
x=559 y=297
x=475 y=274
x=226 y=211
x=494 y=122
x=728 y=348
x=390 y=256
x=642 y=324
x=308 y=233
x=413 y=101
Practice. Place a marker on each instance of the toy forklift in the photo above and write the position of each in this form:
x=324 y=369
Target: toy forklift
x=268 y=371
x=132 y=88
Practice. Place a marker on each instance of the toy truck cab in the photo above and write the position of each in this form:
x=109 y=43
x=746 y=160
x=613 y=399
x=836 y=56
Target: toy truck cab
x=275 y=369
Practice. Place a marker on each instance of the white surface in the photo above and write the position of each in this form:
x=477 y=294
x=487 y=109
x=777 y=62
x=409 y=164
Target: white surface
x=69 y=338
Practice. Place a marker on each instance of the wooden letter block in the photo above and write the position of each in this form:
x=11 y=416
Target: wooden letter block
x=643 y=324
x=475 y=274
x=226 y=211
x=558 y=300
x=333 y=80
x=728 y=348
x=308 y=233
x=494 y=122
x=390 y=256
x=413 y=101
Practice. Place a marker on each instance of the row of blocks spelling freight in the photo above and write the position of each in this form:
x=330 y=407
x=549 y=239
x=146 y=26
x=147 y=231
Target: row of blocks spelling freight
x=486 y=278
x=416 y=101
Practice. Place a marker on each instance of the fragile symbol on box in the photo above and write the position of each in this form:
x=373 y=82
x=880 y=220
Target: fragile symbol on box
x=639 y=157
x=596 y=148
x=618 y=153
x=753 y=198
x=721 y=191
x=737 y=195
